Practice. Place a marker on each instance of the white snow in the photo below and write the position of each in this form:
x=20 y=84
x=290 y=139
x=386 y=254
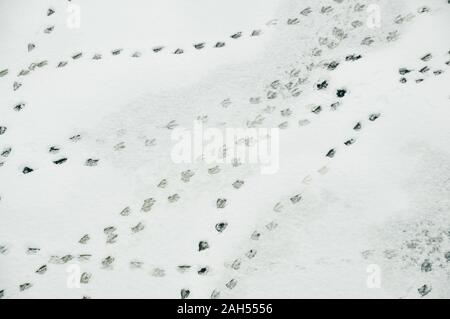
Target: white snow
x=363 y=207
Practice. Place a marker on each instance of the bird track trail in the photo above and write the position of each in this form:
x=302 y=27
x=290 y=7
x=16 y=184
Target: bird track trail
x=219 y=223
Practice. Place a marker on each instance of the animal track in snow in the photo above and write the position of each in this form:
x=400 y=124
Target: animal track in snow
x=187 y=175
x=424 y=71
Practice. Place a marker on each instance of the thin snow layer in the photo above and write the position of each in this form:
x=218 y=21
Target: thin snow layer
x=371 y=221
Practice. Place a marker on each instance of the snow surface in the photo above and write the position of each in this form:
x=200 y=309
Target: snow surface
x=381 y=203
